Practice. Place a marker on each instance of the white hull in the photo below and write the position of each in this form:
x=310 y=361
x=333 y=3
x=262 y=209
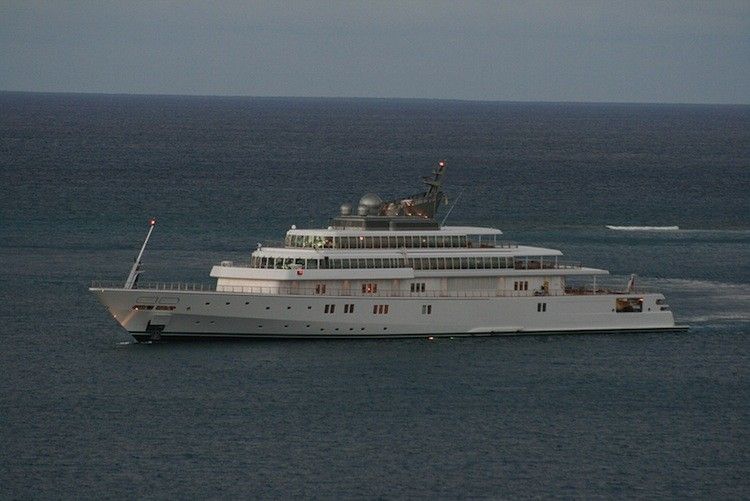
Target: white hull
x=191 y=314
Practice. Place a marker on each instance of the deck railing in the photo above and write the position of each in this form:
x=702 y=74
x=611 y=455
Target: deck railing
x=292 y=290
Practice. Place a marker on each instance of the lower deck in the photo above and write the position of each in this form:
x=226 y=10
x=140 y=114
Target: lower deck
x=158 y=313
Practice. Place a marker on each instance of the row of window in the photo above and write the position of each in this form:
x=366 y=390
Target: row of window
x=417 y=287
x=378 y=242
x=377 y=309
x=420 y=263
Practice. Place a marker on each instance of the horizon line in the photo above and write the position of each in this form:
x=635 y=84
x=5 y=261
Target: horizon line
x=392 y=98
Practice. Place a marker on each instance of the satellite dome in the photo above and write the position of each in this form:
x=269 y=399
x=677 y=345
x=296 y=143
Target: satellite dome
x=362 y=210
x=371 y=200
x=346 y=209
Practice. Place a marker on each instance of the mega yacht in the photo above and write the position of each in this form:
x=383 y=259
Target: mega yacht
x=386 y=269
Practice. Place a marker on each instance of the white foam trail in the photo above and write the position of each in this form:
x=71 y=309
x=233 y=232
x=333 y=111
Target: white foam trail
x=729 y=317
x=643 y=228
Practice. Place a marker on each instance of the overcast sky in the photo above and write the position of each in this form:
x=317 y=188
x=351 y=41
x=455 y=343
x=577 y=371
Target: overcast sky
x=649 y=51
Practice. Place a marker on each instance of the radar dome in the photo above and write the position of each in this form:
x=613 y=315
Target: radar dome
x=372 y=202
x=346 y=209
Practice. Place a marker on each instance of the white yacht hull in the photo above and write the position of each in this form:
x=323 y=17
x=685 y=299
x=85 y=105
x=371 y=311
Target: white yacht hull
x=158 y=314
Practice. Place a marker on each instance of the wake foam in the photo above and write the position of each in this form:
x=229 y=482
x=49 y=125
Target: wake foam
x=642 y=228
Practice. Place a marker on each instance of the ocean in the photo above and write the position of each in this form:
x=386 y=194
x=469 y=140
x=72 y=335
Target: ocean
x=88 y=413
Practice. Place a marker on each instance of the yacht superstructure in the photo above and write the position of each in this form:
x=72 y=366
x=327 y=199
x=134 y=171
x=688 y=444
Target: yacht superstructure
x=386 y=269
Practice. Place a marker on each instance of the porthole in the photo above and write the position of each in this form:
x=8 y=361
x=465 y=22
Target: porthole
x=288 y=307
x=227 y=303
x=362 y=329
x=309 y=307
x=308 y=325
x=247 y=302
x=207 y=304
x=336 y=329
x=187 y=309
x=286 y=326
x=268 y=307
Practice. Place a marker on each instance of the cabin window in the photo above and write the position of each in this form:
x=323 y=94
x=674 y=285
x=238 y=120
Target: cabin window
x=629 y=305
x=540 y=307
x=521 y=286
x=320 y=288
x=426 y=309
x=380 y=309
x=369 y=288
x=348 y=308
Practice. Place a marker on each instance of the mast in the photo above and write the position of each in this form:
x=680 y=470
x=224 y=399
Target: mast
x=135 y=271
x=433 y=194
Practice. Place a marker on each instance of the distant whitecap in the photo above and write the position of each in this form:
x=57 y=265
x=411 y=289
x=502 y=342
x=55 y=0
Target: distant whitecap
x=643 y=228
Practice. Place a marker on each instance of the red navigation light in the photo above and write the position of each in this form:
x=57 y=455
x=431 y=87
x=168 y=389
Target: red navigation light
x=152 y=221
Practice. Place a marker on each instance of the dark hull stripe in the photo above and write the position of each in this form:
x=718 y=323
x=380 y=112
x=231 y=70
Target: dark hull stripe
x=195 y=336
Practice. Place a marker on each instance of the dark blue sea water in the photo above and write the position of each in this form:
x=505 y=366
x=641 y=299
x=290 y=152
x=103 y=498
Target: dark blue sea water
x=86 y=413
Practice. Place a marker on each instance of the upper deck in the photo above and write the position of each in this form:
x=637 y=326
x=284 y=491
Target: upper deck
x=445 y=237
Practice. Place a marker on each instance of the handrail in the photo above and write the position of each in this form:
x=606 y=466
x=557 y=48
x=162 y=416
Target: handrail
x=351 y=292
x=281 y=244
x=518 y=264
